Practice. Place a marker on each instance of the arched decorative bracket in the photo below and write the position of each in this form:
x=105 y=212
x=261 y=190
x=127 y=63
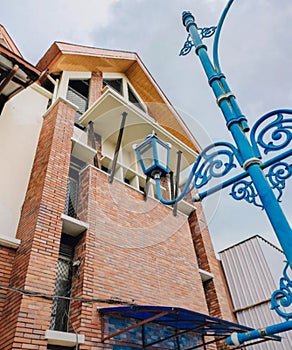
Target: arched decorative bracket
x=245 y=190
x=282 y=297
x=215 y=161
x=272 y=132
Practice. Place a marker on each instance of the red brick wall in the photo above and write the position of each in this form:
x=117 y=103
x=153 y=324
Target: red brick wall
x=6 y=260
x=134 y=250
x=216 y=296
x=40 y=226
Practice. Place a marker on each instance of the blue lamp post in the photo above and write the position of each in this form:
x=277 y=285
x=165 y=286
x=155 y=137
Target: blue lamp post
x=271 y=135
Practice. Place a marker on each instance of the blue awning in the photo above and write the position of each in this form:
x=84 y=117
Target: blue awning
x=181 y=320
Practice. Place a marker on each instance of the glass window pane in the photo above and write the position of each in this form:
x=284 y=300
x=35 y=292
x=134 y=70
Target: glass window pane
x=162 y=154
x=116 y=84
x=147 y=155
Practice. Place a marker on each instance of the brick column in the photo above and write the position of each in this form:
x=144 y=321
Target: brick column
x=216 y=296
x=95 y=87
x=34 y=269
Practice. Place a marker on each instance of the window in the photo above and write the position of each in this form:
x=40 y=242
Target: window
x=116 y=84
x=119 y=83
x=78 y=92
x=134 y=99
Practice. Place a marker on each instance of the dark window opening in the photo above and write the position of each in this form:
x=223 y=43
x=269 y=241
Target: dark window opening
x=48 y=84
x=63 y=284
x=134 y=99
x=59 y=347
x=105 y=169
x=116 y=84
x=78 y=92
x=127 y=181
x=71 y=204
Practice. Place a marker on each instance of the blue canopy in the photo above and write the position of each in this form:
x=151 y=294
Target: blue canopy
x=181 y=320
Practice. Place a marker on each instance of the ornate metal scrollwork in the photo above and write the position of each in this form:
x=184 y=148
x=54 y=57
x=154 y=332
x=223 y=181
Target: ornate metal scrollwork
x=272 y=132
x=245 y=190
x=187 y=46
x=277 y=176
x=282 y=297
x=214 y=161
x=207 y=32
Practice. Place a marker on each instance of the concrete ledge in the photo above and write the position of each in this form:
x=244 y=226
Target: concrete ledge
x=64 y=338
x=9 y=242
x=73 y=227
x=205 y=275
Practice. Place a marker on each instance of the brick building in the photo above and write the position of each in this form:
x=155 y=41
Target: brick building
x=90 y=259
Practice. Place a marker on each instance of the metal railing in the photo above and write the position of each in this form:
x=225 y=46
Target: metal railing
x=71 y=198
x=60 y=306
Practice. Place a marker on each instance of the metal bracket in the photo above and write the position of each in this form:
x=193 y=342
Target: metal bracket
x=205 y=32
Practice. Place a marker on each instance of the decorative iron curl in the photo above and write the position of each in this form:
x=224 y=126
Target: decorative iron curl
x=272 y=132
x=214 y=161
x=245 y=190
x=187 y=46
x=282 y=297
x=207 y=32
x=277 y=176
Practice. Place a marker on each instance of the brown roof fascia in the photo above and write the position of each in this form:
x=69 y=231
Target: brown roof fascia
x=52 y=54
x=19 y=60
x=59 y=48
x=8 y=41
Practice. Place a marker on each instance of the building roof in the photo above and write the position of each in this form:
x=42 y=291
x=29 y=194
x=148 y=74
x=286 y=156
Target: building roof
x=6 y=41
x=249 y=239
x=15 y=73
x=69 y=57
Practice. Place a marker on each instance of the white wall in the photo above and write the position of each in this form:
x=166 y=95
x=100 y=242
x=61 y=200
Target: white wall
x=20 y=125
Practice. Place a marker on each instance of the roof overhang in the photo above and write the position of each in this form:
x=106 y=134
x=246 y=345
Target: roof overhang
x=181 y=320
x=15 y=74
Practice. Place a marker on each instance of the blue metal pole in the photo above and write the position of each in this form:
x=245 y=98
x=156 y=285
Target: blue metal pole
x=239 y=338
x=237 y=125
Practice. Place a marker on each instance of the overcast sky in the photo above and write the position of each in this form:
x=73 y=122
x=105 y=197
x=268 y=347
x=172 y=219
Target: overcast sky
x=255 y=51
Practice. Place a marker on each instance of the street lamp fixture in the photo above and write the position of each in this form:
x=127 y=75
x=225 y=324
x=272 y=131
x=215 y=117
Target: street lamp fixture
x=260 y=182
x=153 y=155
